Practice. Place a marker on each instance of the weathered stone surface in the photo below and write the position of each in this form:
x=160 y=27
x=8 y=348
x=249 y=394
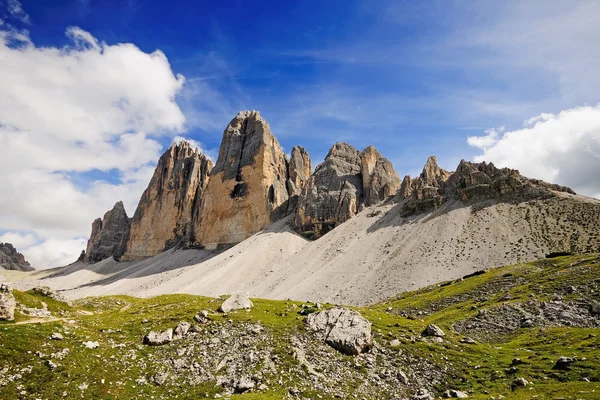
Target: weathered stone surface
x=247 y=187
x=11 y=259
x=181 y=330
x=343 y=329
x=433 y=330
x=470 y=183
x=168 y=209
x=7 y=304
x=48 y=292
x=332 y=194
x=237 y=301
x=109 y=235
x=158 y=338
x=300 y=169
x=379 y=178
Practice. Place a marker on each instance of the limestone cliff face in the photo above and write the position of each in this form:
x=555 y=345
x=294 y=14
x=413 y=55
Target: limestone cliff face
x=379 y=178
x=332 y=194
x=247 y=188
x=11 y=259
x=470 y=183
x=109 y=235
x=168 y=209
x=300 y=170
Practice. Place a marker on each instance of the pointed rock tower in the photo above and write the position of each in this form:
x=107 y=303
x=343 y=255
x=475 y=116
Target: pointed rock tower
x=247 y=187
x=109 y=235
x=168 y=208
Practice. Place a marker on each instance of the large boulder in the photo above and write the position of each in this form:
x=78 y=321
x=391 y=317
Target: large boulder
x=109 y=235
x=237 y=301
x=332 y=194
x=168 y=210
x=343 y=329
x=7 y=304
x=379 y=178
x=247 y=190
x=11 y=259
x=158 y=338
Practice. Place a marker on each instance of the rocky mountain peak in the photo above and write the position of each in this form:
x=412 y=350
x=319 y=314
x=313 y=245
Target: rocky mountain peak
x=167 y=211
x=432 y=174
x=109 y=235
x=247 y=190
x=11 y=259
x=380 y=180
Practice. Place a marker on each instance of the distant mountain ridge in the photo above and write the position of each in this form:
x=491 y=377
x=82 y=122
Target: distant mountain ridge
x=11 y=259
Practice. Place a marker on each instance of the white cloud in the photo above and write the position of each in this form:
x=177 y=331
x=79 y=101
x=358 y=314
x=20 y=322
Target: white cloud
x=561 y=148
x=18 y=240
x=16 y=11
x=88 y=107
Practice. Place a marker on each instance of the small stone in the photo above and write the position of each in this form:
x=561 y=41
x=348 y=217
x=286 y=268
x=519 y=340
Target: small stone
x=181 y=330
x=244 y=384
x=91 y=345
x=56 y=336
x=395 y=343
x=159 y=378
x=402 y=377
x=433 y=330
x=51 y=365
x=564 y=362
x=526 y=323
x=468 y=340
x=519 y=382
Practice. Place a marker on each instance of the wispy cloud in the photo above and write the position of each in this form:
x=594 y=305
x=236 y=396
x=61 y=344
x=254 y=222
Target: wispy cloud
x=15 y=9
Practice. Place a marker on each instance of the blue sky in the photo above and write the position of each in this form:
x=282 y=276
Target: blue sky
x=93 y=91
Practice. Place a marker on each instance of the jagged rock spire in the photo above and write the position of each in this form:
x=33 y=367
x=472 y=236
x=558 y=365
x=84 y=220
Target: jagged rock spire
x=109 y=235
x=166 y=213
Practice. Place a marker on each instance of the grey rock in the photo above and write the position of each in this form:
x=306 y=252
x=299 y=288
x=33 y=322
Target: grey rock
x=343 y=329
x=56 y=336
x=7 y=304
x=379 y=179
x=519 y=382
x=433 y=330
x=526 y=323
x=332 y=194
x=237 y=301
x=159 y=378
x=456 y=394
x=51 y=293
x=422 y=394
x=11 y=259
x=91 y=345
x=181 y=330
x=109 y=235
x=244 y=384
x=564 y=362
x=158 y=338
x=201 y=317
x=300 y=169
x=52 y=366
x=402 y=377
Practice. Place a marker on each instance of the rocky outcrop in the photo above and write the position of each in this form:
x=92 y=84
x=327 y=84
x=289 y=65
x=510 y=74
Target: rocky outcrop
x=379 y=178
x=109 y=235
x=300 y=169
x=159 y=338
x=247 y=188
x=470 y=183
x=11 y=259
x=7 y=304
x=343 y=329
x=168 y=209
x=342 y=185
x=332 y=194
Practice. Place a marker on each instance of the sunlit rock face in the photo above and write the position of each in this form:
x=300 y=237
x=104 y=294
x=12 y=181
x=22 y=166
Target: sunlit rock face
x=247 y=189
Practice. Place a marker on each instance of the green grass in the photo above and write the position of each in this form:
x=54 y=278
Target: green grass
x=482 y=369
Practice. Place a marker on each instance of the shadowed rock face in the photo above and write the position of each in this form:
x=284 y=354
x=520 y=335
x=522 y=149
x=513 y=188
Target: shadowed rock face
x=11 y=259
x=168 y=208
x=379 y=178
x=300 y=169
x=342 y=185
x=333 y=193
x=470 y=183
x=109 y=235
x=247 y=188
